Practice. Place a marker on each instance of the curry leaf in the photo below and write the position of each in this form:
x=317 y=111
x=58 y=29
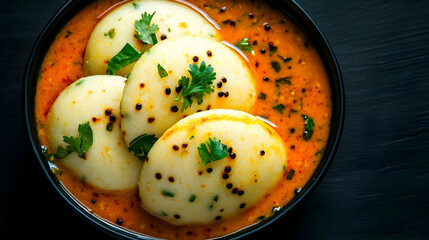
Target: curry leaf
x=145 y=33
x=141 y=145
x=126 y=56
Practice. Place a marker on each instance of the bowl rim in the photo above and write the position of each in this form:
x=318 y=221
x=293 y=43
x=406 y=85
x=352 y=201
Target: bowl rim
x=300 y=18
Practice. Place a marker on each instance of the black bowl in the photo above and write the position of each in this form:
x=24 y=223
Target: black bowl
x=290 y=8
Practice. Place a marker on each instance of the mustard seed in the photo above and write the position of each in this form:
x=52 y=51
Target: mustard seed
x=138 y=106
x=167 y=91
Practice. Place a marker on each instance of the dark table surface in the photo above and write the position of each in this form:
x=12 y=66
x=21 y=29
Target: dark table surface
x=378 y=184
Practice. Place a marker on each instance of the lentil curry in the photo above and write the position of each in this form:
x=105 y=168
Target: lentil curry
x=293 y=93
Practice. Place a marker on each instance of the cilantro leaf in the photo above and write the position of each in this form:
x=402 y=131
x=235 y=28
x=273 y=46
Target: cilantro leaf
x=273 y=49
x=320 y=152
x=111 y=33
x=192 y=198
x=201 y=84
x=136 y=6
x=109 y=126
x=61 y=153
x=217 y=151
x=276 y=66
x=186 y=101
x=290 y=174
x=144 y=31
x=244 y=45
x=287 y=59
x=167 y=193
x=74 y=145
x=141 y=145
x=279 y=108
x=161 y=71
x=262 y=96
x=86 y=136
x=126 y=56
x=309 y=125
x=79 y=145
x=284 y=80
x=48 y=156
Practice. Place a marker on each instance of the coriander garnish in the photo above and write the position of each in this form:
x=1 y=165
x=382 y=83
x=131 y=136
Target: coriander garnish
x=309 y=125
x=192 y=198
x=136 y=6
x=284 y=80
x=276 y=66
x=167 y=193
x=290 y=174
x=273 y=49
x=285 y=60
x=201 y=84
x=279 y=108
x=320 y=152
x=48 y=156
x=109 y=126
x=79 y=145
x=111 y=33
x=244 y=45
x=262 y=96
x=217 y=151
x=161 y=71
x=145 y=33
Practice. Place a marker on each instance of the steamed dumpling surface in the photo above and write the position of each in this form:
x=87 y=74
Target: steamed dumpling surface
x=107 y=165
x=174 y=186
x=117 y=28
x=148 y=104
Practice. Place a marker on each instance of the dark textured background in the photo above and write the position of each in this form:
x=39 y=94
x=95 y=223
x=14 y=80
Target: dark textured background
x=378 y=184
